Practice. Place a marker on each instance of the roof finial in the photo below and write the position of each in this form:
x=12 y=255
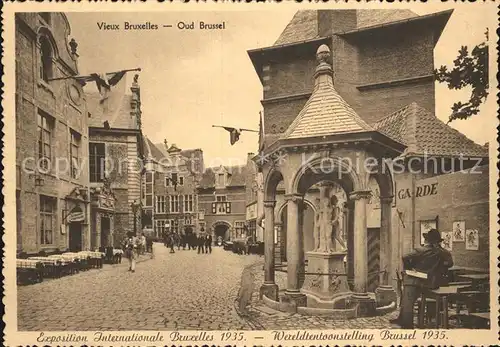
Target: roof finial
x=323 y=56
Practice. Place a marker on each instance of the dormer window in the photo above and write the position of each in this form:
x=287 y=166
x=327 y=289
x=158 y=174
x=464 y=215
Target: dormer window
x=220 y=180
x=45 y=59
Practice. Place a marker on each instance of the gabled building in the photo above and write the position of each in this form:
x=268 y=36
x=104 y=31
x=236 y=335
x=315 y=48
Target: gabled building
x=169 y=199
x=52 y=185
x=115 y=166
x=351 y=85
x=222 y=201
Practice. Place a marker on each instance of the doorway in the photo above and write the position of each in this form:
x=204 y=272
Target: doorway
x=221 y=230
x=75 y=237
x=105 y=231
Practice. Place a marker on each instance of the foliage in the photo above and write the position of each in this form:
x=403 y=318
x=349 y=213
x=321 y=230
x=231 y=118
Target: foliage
x=469 y=70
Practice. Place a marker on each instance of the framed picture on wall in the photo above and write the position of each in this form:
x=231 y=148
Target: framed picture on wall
x=425 y=226
x=472 y=240
x=447 y=240
x=458 y=231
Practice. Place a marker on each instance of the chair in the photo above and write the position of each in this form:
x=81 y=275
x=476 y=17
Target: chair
x=430 y=304
x=475 y=301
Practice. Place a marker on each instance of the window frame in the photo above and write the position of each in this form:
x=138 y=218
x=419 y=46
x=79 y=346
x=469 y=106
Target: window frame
x=95 y=160
x=45 y=131
x=161 y=204
x=239 y=225
x=46 y=56
x=174 y=204
x=189 y=203
x=74 y=152
x=46 y=212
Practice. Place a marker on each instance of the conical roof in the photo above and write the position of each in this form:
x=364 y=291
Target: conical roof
x=326 y=112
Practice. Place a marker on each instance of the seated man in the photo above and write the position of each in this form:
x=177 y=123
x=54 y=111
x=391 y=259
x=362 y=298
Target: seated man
x=424 y=268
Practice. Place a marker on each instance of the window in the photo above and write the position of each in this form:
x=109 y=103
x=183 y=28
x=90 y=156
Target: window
x=47 y=208
x=188 y=203
x=74 y=151
x=174 y=225
x=161 y=226
x=174 y=180
x=239 y=228
x=188 y=220
x=201 y=215
x=161 y=204
x=45 y=59
x=45 y=127
x=221 y=206
x=174 y=203
x=97 y=160
x=220 y=180
x=149 y=189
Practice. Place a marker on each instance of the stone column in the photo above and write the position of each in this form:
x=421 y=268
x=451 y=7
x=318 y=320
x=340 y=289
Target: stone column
x=293 y=250
x=269 y=288
x=385 y=293
x=366 y=305
x=385 y=239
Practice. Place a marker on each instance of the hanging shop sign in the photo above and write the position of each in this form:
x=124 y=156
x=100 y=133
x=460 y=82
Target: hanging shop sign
x=76 y=215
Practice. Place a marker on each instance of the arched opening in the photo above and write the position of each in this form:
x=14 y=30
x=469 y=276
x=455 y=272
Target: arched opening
x=46 y=54
x=307 y=214
x=221 y=231
x=328 y=184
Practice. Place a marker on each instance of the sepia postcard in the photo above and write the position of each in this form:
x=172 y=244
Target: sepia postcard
x=221 y=173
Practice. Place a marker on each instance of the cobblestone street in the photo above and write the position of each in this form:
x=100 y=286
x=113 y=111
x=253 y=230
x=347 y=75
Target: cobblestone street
x=183 y=291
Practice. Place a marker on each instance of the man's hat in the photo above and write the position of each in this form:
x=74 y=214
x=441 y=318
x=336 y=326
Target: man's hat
x=433 y=236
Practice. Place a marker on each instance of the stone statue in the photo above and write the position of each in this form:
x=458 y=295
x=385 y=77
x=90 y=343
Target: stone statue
x=337 y=227
x=330 y=217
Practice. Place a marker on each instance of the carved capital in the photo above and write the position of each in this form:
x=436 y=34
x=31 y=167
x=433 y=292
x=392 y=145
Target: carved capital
x=360 y=194
x=270 y=203
x=293 y=197
x=386 y=199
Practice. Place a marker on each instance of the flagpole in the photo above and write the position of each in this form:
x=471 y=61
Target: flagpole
x=107 y=73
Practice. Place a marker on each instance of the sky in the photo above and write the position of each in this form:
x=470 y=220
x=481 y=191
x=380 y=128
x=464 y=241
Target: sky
x=192 y=79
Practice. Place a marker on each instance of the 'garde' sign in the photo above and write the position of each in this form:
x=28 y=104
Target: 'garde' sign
x=421 y=191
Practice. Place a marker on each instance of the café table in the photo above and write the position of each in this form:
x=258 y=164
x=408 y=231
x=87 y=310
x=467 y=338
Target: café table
x=441 y=295
x=479 y=281
x=475 y=277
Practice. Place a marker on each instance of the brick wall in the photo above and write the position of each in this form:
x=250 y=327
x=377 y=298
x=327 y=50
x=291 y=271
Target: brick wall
x=58 y=99
x=460 y=197
x=376 y=58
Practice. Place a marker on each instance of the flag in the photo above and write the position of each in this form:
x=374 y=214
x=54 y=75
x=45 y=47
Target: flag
x=234 y=134
x=111 y=87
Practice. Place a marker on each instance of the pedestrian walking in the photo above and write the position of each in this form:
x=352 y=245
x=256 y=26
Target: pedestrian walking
x=178 y=241
x=171 y=242
x=131 y=249
x=424 y=268
x=201 y=244
x=142 y=241
x=208 y=243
